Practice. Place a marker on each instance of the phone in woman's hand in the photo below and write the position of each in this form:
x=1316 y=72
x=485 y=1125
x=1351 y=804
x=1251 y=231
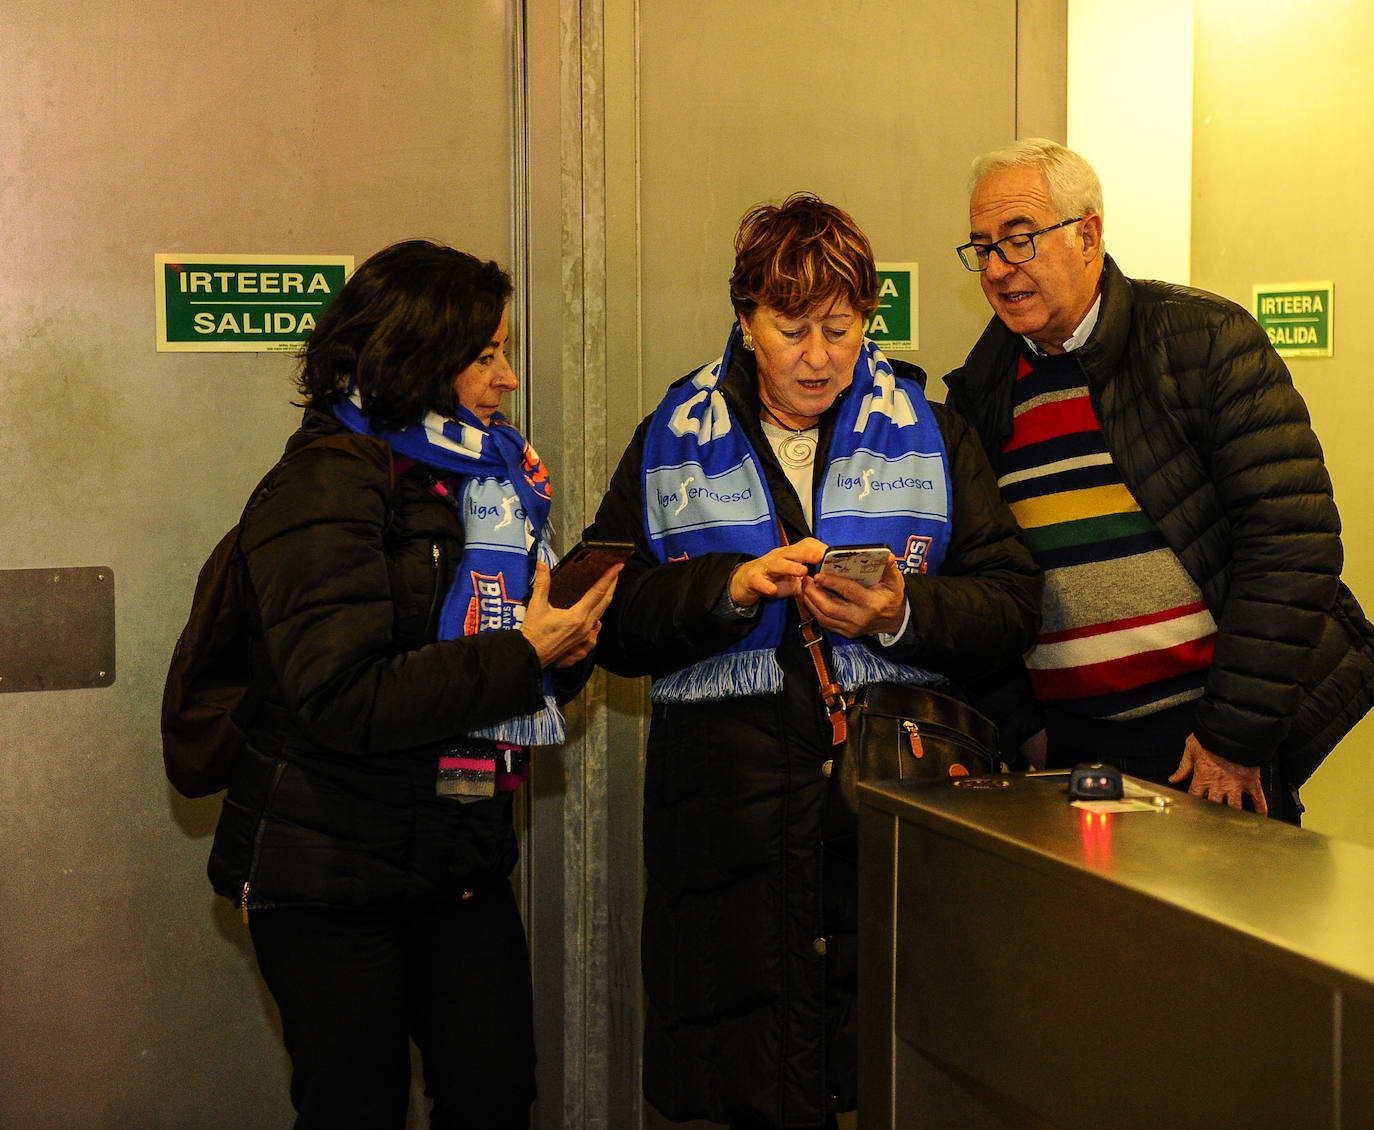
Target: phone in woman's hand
x=582 y=566
x=862 y=563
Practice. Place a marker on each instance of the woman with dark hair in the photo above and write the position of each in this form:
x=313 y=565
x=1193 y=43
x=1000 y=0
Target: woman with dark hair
x=399 y=561
x=800 y=436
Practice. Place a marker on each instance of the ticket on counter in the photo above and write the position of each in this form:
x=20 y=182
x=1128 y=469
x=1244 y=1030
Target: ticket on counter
x=1135 y=798
x=1125 y=804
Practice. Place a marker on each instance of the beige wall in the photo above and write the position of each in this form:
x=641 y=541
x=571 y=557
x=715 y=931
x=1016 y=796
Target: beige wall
x=1283 y=176
x=1131 y=94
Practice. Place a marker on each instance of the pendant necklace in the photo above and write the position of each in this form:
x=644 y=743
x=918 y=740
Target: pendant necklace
x=798 y=449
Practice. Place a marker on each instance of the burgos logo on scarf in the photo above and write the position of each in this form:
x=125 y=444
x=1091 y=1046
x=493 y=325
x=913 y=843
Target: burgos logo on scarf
x=914 y=559
x=490 y=610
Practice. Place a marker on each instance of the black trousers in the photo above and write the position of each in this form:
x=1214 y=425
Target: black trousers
x=354 y=987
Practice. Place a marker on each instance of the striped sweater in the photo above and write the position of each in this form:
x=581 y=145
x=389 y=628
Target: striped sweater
x=1125 y=632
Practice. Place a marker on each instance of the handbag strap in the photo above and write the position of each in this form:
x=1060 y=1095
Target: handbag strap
x=832 y=694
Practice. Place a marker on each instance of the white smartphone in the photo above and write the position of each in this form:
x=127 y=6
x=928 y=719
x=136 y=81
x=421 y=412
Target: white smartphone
x=862 y=563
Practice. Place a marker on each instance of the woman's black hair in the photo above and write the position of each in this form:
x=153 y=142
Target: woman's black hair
x=406 y=323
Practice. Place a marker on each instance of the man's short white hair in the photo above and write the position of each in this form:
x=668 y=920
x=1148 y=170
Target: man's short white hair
x=1074 y=187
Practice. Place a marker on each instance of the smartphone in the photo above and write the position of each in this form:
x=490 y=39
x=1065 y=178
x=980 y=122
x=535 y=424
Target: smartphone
x=862 y=563
x=582 y=566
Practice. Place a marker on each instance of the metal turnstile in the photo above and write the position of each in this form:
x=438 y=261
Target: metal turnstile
x=1026 y=963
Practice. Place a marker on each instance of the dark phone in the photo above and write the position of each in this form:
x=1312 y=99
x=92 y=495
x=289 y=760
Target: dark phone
x=582 y=566
x=862 y=563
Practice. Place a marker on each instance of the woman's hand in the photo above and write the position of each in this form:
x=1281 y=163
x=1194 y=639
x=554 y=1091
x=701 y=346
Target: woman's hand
x=778 y=573
x=848 y=609
x=564 y=636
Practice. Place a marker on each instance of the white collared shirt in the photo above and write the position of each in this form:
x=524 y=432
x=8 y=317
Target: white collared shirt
x=1080 y=335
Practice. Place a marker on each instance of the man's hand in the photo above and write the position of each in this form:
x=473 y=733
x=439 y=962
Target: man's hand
x=1218 y=779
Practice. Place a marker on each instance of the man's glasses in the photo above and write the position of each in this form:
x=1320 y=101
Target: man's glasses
x=1012 y=249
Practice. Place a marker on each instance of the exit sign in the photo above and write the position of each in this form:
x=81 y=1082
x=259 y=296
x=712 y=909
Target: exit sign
x=893 y=325
x=217 y=303
x=1297 y=317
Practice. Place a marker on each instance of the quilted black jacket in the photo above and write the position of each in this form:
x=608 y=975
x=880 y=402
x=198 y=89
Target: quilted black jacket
x=334 y=802
x=1202 y=420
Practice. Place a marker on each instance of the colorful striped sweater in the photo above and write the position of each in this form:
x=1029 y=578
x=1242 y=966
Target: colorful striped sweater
x=1125 y=632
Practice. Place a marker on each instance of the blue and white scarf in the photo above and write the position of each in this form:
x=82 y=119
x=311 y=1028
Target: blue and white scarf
x=504 y=502
x=886 y=480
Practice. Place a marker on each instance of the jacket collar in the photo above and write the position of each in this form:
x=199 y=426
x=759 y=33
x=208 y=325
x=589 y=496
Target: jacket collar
x=1107 y=343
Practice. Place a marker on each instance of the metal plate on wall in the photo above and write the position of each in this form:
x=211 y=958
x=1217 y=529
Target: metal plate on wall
x=57 y=629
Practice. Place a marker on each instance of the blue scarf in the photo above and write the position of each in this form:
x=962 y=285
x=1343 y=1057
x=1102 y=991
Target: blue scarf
x=504 y=502
x=886 y=480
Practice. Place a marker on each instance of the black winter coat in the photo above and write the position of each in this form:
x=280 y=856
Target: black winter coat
x=1205 y=426
x=749 y=932
x=334 y=802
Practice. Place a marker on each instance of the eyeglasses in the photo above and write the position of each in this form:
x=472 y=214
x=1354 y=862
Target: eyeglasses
x=1012 y=249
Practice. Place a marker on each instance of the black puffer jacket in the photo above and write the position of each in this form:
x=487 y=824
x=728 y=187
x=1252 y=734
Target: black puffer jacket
x=750 y=927
x=334 y=803
x=1202 y=420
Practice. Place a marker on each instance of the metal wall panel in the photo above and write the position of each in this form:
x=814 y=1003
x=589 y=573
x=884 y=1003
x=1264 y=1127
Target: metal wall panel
x=130 y=995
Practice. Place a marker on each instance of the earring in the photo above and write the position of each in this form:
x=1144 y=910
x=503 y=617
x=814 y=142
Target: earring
x=748 y=341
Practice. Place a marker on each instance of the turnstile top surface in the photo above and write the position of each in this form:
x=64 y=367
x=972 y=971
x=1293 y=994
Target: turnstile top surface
x=1299 y=891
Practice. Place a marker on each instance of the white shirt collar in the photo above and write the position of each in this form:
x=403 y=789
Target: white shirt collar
x=1080 y=335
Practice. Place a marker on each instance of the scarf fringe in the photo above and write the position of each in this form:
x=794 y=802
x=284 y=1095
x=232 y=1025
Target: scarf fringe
x=731 y=675
x=546 y=727
x=857 y=666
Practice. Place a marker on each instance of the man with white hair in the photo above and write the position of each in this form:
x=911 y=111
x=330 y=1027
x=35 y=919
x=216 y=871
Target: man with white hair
x=1164 y=469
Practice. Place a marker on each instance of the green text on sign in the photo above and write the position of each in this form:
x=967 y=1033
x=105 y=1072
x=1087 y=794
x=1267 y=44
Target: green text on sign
x=243 y=303
x=1297 y=317
x=893 y=325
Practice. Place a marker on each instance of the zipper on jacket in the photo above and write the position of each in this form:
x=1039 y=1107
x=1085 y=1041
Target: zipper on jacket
x=257 y=837
x=432 y=620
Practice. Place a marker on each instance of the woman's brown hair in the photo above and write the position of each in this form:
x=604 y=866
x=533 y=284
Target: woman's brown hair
x=794 y=255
